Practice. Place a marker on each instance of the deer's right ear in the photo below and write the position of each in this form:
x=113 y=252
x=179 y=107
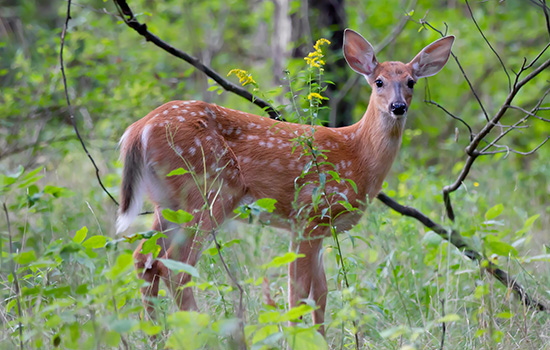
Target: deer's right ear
x=359 y=53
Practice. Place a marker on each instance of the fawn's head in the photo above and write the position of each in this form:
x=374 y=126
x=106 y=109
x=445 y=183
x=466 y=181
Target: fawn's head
x=393 y=82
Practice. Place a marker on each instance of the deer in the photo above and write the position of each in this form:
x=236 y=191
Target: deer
x=231 y=158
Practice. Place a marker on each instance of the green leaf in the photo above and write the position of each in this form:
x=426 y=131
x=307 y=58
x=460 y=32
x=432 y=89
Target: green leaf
x=499 y=247
x=151 y=246
x=268 y=204
x=448 y=318
x=528 y=223
x=505 y=315
x=494 y=212
x=335 y=176
x=112 y=338
x=150 y=328
x=269 y=317
x=432 y=239
x=80 y=235
x=6 y=181
x=30 y=178
x=353 y=184
x=25 y=257
x=394 y=332
x=178 y=171
x=296 y=312
x=123 y=263
x=95 y=242
x=123 y=326
x=68 y=249
x=58 y=192
x=178 y=217
x=178 y=266
x=305 y=339
x=264 y=332
x=283 y=260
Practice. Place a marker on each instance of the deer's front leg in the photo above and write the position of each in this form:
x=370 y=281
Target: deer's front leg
x=307 y=277
x=318 y=291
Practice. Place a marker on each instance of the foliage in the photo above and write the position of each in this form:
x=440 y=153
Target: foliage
x=77 y=287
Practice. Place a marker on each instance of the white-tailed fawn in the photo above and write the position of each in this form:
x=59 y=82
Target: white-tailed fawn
x=235 y=158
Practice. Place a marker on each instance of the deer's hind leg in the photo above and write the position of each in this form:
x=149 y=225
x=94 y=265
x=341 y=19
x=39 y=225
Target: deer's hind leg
x=188 y=244
x=150 y=269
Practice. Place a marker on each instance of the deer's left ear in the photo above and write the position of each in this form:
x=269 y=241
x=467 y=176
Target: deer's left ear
x=432 y=58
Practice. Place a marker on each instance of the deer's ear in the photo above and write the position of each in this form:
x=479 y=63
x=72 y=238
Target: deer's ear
x=359 y=53
x=432 y=58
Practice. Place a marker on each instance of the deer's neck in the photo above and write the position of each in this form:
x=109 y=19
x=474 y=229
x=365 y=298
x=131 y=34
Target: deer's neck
x=378 y=141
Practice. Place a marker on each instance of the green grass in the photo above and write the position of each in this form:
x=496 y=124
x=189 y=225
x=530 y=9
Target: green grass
x=403 y=280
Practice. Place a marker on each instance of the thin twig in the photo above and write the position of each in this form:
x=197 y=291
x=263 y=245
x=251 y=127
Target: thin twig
x=15 y=280
x=530 y=113
x=452 y=116
x=546 y=16
x=517 y=125
x=71 y=111
x=490 y=46
x=538 y=56
x=443 y=325
x=424 y=22
x=508 y=149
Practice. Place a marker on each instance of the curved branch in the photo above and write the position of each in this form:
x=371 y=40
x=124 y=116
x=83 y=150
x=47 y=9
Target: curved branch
x=452 y=116
x=453 y=237
x=141 y=28
x=71 y=111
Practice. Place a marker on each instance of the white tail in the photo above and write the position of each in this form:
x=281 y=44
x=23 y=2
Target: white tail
x=235 y=157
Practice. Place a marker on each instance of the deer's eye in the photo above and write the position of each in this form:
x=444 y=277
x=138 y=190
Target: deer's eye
x=411 y=83
x=379 y=83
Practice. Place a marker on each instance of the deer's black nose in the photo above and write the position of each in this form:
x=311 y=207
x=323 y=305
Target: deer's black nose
x=398 y=108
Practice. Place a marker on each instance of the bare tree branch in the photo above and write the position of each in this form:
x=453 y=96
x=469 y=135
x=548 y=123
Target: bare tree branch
x=133 y=23
x=71 y=111
x=452 y=116
x=471 y=149
x=458 y=241
x=490 y=46
x=517 y=125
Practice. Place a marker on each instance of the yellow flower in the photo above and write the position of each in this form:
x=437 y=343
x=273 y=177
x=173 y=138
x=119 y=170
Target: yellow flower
x=320 y=43
x=317 y=96
x=244 y=77
x=315 y=59
x=476 y=184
